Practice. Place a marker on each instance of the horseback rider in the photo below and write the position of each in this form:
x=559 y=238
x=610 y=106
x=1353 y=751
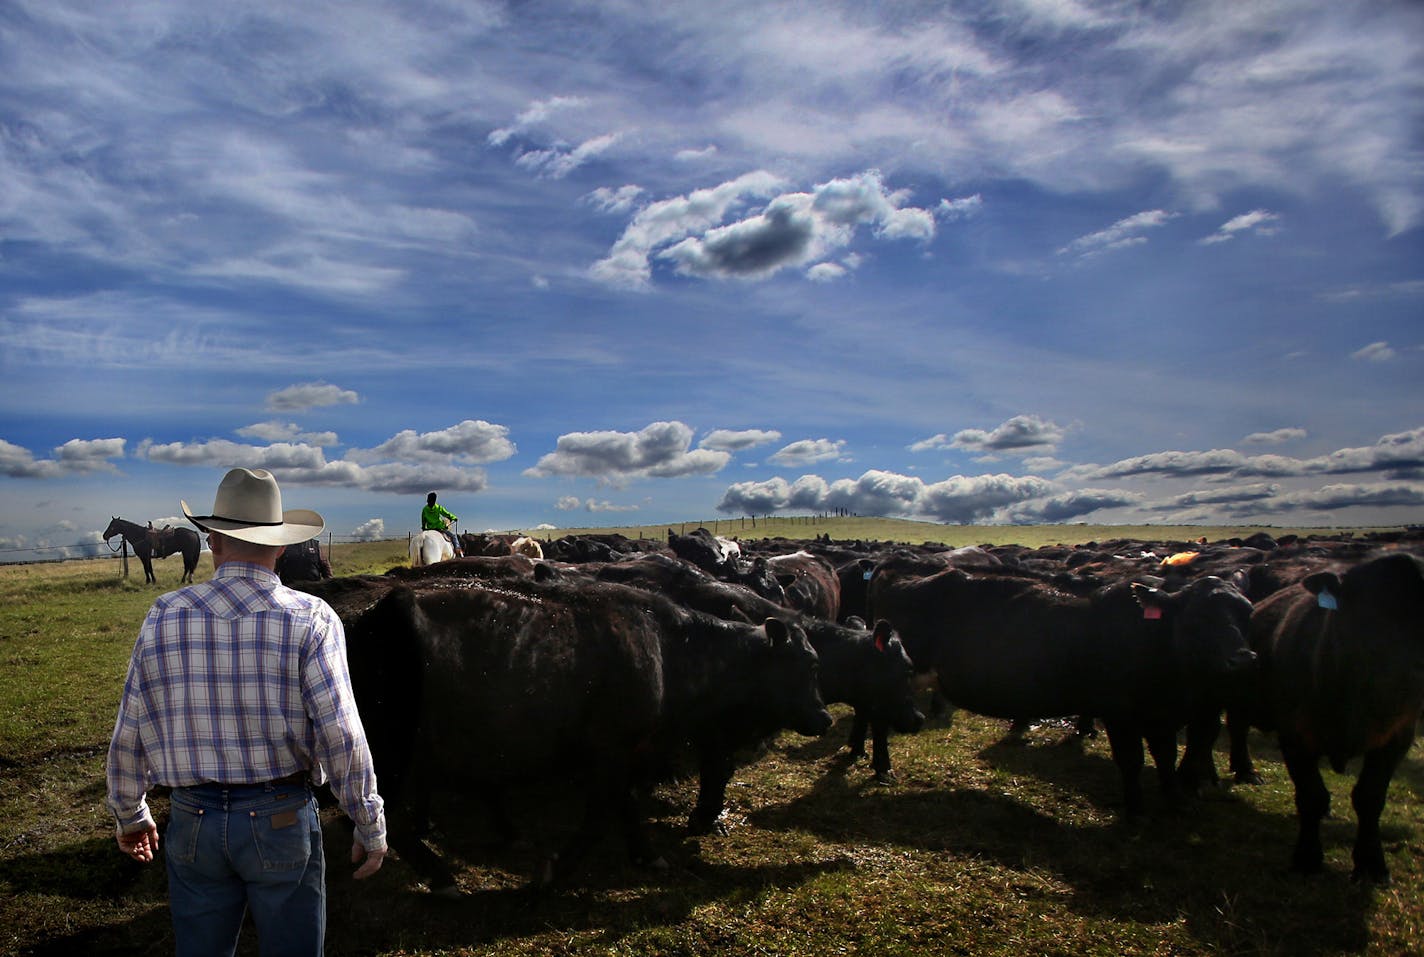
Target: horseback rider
x=439 y=518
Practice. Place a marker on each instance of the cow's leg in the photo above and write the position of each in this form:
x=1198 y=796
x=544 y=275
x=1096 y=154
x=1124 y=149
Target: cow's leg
x=1162 y=743
x=1368 y=799
x=1126 y=744
x=856 y=742
x=1198 y=767
x=1312 y=802
x=1238 y=728
x=880 y=751
x=1086 y=726
x=406 y=829
x=716 y=766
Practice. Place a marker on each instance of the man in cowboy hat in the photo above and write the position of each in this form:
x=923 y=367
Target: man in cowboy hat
x=238 y=698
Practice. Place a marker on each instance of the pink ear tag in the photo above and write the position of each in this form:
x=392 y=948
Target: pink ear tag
x=1152 y=612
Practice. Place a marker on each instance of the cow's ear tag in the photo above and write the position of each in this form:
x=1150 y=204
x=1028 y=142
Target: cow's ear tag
x=866 y=576
x=1152 y=612
x=1327 y=599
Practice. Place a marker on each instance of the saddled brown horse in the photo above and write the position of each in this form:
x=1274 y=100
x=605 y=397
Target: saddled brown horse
x=150 y=543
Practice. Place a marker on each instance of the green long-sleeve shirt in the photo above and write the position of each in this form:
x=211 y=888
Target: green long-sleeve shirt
x=435 y=516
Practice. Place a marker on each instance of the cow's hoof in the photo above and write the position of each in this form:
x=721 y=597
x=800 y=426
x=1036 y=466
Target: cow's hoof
x=1370 y=875
x=886 y=777
x=1249 y=777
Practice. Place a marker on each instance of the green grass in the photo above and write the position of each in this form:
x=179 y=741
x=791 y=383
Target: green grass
x=982 y=847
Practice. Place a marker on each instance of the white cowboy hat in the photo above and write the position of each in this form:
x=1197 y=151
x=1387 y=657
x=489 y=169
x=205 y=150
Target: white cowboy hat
x=248 y=506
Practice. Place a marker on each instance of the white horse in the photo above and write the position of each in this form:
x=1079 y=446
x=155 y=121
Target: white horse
x=429 y=547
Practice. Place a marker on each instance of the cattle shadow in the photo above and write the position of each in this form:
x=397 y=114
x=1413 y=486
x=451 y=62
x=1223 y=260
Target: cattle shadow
x=1219 y=866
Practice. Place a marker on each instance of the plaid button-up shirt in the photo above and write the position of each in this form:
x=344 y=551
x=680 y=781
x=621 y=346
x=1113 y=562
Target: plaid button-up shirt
x=240 y=680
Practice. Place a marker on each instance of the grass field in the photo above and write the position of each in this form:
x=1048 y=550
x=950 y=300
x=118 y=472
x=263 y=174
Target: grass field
x=982 y=847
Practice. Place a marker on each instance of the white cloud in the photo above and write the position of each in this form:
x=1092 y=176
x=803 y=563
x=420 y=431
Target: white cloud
x=1259 y=222
x=1123 y=233
x=1275 y=436
x=372 y=530
x=661 y=450
x=473 y=440
x=75 y=457
x=1375 y=352
x=737 y=440
x=309 y=395
x=807 y=452
x=793 y=229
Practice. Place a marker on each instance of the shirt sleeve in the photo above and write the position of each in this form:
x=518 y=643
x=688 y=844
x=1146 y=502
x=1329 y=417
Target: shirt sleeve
x=341 y=744
x=127 y=769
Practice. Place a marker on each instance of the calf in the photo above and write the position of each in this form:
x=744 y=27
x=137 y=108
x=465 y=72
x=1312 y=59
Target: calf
x=1342 y=676
x=1144 y=661
x=479 y=686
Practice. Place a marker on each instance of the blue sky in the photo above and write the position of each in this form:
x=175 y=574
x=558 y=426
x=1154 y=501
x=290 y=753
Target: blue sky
x=592 y=264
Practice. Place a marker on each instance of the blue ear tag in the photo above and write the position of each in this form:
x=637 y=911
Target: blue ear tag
x=1327 y=600
x=867 y=576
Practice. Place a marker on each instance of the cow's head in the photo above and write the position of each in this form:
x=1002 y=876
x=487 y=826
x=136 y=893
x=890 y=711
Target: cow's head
x=794 y=666
x=1208 y=620
x=893 y=681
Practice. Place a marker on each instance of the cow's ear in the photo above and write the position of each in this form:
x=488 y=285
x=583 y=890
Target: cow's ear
x=1240 y=580
x=1154 y=601
x=776 y=631
x=785 y=580
x=1322 y=582
x=883 y=634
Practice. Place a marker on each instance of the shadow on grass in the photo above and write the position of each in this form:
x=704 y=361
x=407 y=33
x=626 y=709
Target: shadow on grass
x=1218 y=863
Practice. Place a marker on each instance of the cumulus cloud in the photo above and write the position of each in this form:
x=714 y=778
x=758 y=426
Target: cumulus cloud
x=729 y=440
x=286 y=431
x=300 y=464
x=1066 y=506
x=1258 y=222
x=1123 y=233
x=1374 y=352
x=473 y=440
x=662 y=450
x=807 y=452
x=372 y=530
x=1332 y=498
x=309 y=395
x=959 y=499
x=791 y=230
x=1274 y=437
x=952 y=209
x=1022 y=434
x=75 y=457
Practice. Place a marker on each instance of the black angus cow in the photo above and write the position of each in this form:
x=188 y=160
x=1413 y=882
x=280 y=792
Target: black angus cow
x=476 y=688
x=1342 y=675
x=867 y=669
x=810 y=583
x=1144 y=661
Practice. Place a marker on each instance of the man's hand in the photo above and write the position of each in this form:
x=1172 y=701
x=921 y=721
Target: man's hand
x=140 y=845
x=373 y=860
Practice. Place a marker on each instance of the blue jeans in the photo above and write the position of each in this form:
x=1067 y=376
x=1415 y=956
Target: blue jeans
x=253 y=846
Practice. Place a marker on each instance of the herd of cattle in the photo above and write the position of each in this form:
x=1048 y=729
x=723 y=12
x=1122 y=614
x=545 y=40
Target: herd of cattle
x=607 y=662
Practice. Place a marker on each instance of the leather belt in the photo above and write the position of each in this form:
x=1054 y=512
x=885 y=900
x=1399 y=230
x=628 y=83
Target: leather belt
x=301 y=777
